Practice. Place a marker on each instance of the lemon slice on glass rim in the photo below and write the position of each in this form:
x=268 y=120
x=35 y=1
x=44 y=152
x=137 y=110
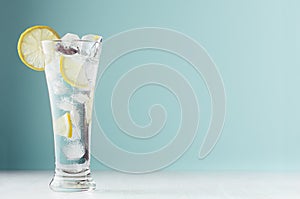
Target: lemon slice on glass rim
x=63 y=126
x=30 y=47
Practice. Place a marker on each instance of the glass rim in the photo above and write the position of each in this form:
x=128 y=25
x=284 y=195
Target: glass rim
x=74 y=40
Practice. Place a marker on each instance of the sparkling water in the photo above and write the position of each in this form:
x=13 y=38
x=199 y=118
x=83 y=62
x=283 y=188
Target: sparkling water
x=71 y=91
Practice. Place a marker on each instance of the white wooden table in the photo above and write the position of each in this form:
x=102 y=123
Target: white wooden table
x=159 y=185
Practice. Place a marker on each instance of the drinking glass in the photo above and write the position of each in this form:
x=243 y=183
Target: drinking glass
x=71 y=69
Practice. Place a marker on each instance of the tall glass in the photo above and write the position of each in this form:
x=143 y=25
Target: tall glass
x=71 y=70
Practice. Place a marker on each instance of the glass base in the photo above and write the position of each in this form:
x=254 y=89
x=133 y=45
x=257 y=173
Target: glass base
x=72 y=182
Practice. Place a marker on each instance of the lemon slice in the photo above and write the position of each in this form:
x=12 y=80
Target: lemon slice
x=63 y=126
x=73 y=72
x=30 y=47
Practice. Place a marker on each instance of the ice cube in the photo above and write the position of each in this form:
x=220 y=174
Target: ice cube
x=91 y=49
x=70 y=37
x=91 y=37
x=70 y=44
x=60 y=88
x=89 y=109
x=95 y=50
x=75 y=118
x=79 y=97
x=91 y=70
x=66 y=105
x=75 y=134
x=74 y=150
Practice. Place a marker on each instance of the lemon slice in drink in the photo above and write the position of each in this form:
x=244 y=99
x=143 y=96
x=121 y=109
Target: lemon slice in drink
x=73 y=72
x=63 y=126
x=30 y=47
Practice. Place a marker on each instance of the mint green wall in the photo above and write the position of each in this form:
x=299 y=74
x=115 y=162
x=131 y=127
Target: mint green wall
x=255 y=44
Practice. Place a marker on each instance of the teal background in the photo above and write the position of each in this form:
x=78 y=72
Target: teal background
x=255 y=45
